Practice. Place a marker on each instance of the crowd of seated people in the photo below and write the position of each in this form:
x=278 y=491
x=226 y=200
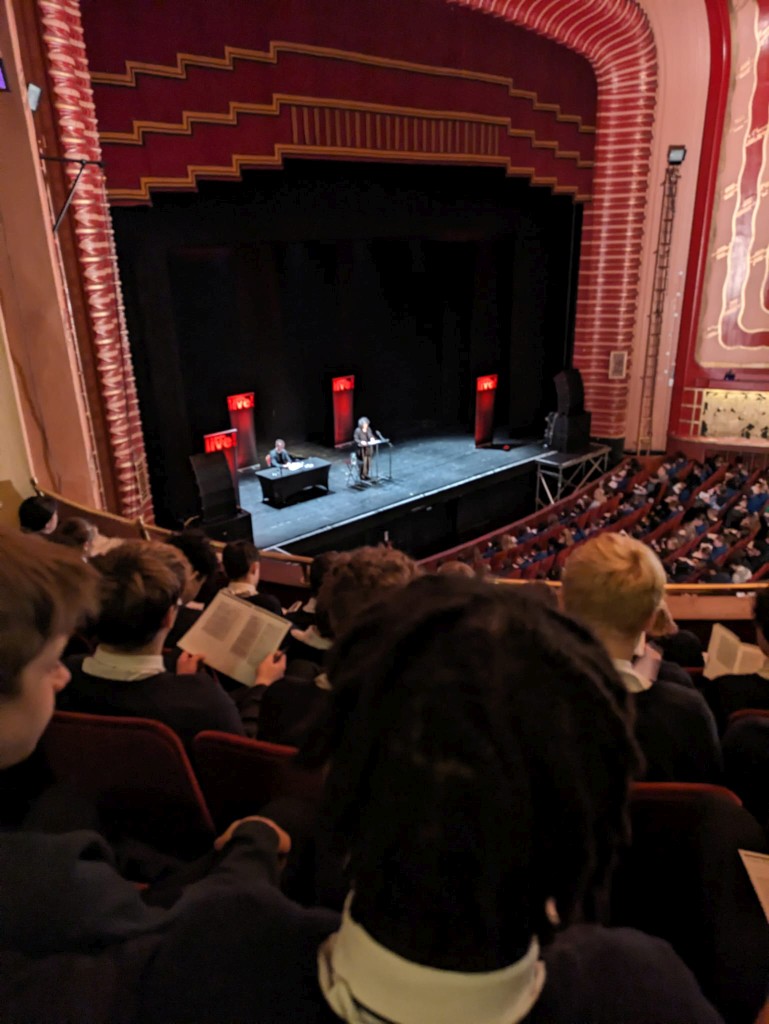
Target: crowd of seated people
x=708 y=522
x=478 y=744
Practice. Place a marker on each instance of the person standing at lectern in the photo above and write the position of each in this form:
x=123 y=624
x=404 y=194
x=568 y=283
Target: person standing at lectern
x=279 y=456
x=364 y=441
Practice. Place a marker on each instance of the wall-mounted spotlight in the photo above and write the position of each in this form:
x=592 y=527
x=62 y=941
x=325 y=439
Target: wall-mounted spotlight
x=676 y=155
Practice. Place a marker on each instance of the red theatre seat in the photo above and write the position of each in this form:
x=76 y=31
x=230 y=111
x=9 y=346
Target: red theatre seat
x=736 y=716
x=239 y=776
x=682 y=879
x=137 y=775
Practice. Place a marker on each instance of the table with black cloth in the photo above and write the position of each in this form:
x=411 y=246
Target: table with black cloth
x=280 y=483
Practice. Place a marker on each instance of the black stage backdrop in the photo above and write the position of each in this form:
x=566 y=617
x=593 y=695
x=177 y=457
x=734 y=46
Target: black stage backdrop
x=415 y=279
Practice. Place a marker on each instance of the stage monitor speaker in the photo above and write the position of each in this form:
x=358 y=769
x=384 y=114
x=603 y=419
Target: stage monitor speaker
x=237 y=527
x=571 y=433
x=214 y=480
x=571 y=393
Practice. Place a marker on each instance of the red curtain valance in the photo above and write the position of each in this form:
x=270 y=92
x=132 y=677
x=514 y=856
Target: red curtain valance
x=186 y=90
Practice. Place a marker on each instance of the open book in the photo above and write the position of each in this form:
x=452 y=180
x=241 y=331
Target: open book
x=757 y=867
x=234 y=636
x=728 y=655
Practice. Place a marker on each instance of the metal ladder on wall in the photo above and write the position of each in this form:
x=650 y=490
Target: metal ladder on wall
x=659 y=293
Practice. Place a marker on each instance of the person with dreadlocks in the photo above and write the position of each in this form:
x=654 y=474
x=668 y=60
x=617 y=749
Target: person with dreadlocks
x=479 y=758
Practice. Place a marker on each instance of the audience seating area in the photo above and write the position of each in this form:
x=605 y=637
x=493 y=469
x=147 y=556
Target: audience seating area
x=679 y=877
x=705 y=521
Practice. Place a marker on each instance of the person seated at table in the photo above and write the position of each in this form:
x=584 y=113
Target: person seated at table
x=279 y=456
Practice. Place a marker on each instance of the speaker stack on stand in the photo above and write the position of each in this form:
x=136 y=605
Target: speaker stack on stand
x=222 y=519
x=568 y=429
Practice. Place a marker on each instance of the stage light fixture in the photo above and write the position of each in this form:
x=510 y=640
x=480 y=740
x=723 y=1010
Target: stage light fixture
x=676 y=155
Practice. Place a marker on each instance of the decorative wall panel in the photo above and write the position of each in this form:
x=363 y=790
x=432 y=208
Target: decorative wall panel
x=734 y=328
x=73 y=102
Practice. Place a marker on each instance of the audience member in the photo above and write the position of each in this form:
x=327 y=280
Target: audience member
x=141 y=586
x=615 y=585
x=77 y=941
x=357 y=579
x=208 y=577
x=730 y=693
x=240 y=559
x=353 y=581
x=456 y=568
x=77 y=533
x=39 y=514
x=473 y=895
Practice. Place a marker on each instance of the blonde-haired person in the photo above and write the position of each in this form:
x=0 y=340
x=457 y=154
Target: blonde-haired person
x=615 y=586
x=142 y=586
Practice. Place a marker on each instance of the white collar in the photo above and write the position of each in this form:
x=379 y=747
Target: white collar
x=365 y=983
x=241 y=589
x=124 y=668
x=632 y=681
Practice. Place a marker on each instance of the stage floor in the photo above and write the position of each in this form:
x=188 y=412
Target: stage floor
x=420 y=469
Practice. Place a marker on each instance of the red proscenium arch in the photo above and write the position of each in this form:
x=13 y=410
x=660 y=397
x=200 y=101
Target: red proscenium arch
x=615 y=36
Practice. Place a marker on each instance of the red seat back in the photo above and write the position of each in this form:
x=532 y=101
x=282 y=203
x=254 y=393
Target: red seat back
x=239 y=775
x=137 y=775
x=679 y=791
x=682 y=879
x=747 y=713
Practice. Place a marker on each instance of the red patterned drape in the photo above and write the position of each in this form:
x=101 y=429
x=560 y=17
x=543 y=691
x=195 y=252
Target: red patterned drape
x=76 y=123
x=616 y=38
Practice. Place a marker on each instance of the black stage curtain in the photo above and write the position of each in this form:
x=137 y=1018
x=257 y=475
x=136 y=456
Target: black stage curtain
x=415 y=279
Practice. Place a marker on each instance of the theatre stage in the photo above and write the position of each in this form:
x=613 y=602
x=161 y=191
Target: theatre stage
x=443 y=490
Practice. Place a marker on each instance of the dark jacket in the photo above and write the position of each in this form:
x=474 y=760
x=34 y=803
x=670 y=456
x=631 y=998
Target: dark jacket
x=677 y=734
x=187 y=703
x=77 y=941
x=728 y=694
x=594 y=975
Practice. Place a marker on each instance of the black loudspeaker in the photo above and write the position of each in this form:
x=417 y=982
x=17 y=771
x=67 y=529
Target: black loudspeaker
x=571 y=393
x=237 y=527
x=571 y=433
x=215 y=486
